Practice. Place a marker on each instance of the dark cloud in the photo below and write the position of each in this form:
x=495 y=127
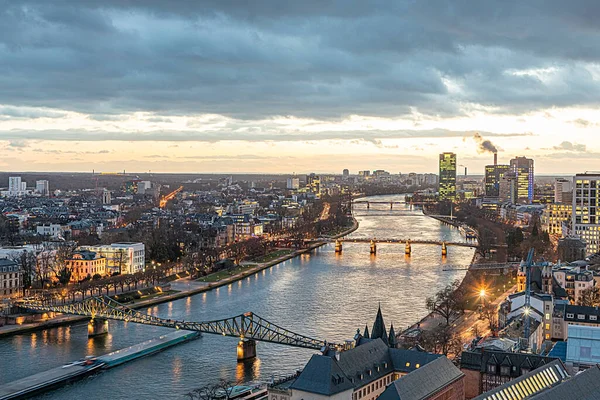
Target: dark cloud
x=312 y=58
x=371 y=136
x=569 y=146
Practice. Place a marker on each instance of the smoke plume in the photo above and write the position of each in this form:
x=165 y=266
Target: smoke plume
x=484 y=145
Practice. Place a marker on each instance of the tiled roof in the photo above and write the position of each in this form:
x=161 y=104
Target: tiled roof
x=355 y=368
x=424 y=382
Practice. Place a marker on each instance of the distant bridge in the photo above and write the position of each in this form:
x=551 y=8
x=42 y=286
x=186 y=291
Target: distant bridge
x=247 y=326
x=473 y=244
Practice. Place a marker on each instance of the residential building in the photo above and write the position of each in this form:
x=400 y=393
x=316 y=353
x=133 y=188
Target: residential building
x=123 y=257
x=555 y=216
x=345 y=174
x=85 y=264
x=507 y=187
x=54 y=231
x=42 y=187
x=16 y=187
x=487 y=370
x=11 y=279
x=574 y=280
x=447 y=185
x=586 y=219
x=293 y=183
x=437 y=380
x=522 y=167
x=313 y=183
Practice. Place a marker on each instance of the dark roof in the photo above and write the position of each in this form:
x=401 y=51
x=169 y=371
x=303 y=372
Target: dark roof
x=529 y=384
x=424 y=382
x=337 y=372
x=587 y=312
x=5 y=262
x=407 y=360
x=583 y=386
x=477 y=360
x=322 y=375
x=378 y=330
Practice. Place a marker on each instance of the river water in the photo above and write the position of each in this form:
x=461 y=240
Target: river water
x=322 y=294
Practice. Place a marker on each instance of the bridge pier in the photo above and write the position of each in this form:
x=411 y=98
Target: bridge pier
x=368 y=205
x=444 y=249
x=246 y=349
x=373 y=247
x=97 y=327
x=407 y=248
x=391 y=205
x=338 y=246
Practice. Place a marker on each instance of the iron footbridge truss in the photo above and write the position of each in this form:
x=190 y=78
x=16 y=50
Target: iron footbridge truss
x=244 y=326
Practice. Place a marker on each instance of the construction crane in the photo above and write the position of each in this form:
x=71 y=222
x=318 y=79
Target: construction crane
x=528 y=264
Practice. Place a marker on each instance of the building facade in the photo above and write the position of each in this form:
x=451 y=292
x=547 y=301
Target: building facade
x=522 y=168
x=85 y=264
x=123 y=257
x=11 y=279
x=42 y=187
x=586 y=221
x=555 y=216
x=447 y=185
x=493 y=176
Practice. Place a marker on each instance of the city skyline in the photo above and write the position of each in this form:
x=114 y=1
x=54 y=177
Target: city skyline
x=264 y=89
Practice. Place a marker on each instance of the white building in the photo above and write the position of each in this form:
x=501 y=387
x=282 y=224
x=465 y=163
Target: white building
x=42 y=187
x=124 y=257
x=293 y=183
x=55 y=231
x=586 y=220
x=16 y=187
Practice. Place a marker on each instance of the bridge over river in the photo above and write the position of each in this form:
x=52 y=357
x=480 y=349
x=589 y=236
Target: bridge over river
x=249 y=327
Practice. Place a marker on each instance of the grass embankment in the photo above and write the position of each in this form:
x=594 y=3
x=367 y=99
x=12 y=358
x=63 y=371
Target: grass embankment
x=272 y=256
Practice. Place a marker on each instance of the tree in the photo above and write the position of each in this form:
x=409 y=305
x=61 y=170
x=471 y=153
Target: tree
x=442 y=339
x=489 y=312
x=486 y=240
x=62 y=269
x=448 y=303
x=589 y=297
x=27 y=263
x=220 y=390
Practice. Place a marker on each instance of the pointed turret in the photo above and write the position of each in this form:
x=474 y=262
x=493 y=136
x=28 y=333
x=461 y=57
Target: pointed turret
x=379 y=327
x=366 y=334
x=392 y=339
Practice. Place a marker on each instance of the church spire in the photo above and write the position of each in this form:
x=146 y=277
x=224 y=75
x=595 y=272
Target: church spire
x=379 y=327
x=392 y=339
x=366 y=334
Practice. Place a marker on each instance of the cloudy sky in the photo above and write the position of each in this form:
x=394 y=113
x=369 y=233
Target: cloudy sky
x=311 y=85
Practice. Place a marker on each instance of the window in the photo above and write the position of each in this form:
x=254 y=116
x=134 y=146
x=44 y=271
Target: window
x=569 y=315
x=580 y=316
x=504 y=370
x=547 y=326
x=491 y=369
x=547 y=316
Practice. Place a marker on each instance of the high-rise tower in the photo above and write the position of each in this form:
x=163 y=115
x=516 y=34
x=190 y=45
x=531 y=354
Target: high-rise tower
x=447 y=187
x=522 y=167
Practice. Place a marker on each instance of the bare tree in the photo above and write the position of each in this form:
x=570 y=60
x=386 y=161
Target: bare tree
x=61 y=266
x=489 y=312
x=27 y=264
x=448 y=303
x=220 y=390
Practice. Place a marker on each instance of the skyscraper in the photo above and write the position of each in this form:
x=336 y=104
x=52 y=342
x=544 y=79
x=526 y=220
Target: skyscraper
x=493 y=176
x=42 y=187
x=447 y=187
x=522 y=167
x=586 y=219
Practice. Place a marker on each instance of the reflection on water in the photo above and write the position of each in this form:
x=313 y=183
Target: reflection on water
x=321 y=294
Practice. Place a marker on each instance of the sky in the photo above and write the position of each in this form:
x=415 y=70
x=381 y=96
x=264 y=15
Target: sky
x=308 y=86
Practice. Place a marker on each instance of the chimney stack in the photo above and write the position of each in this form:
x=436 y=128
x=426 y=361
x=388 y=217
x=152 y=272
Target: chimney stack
x=465 y=171
x=495 y=158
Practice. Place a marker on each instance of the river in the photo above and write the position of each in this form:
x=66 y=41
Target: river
x=322 y=294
